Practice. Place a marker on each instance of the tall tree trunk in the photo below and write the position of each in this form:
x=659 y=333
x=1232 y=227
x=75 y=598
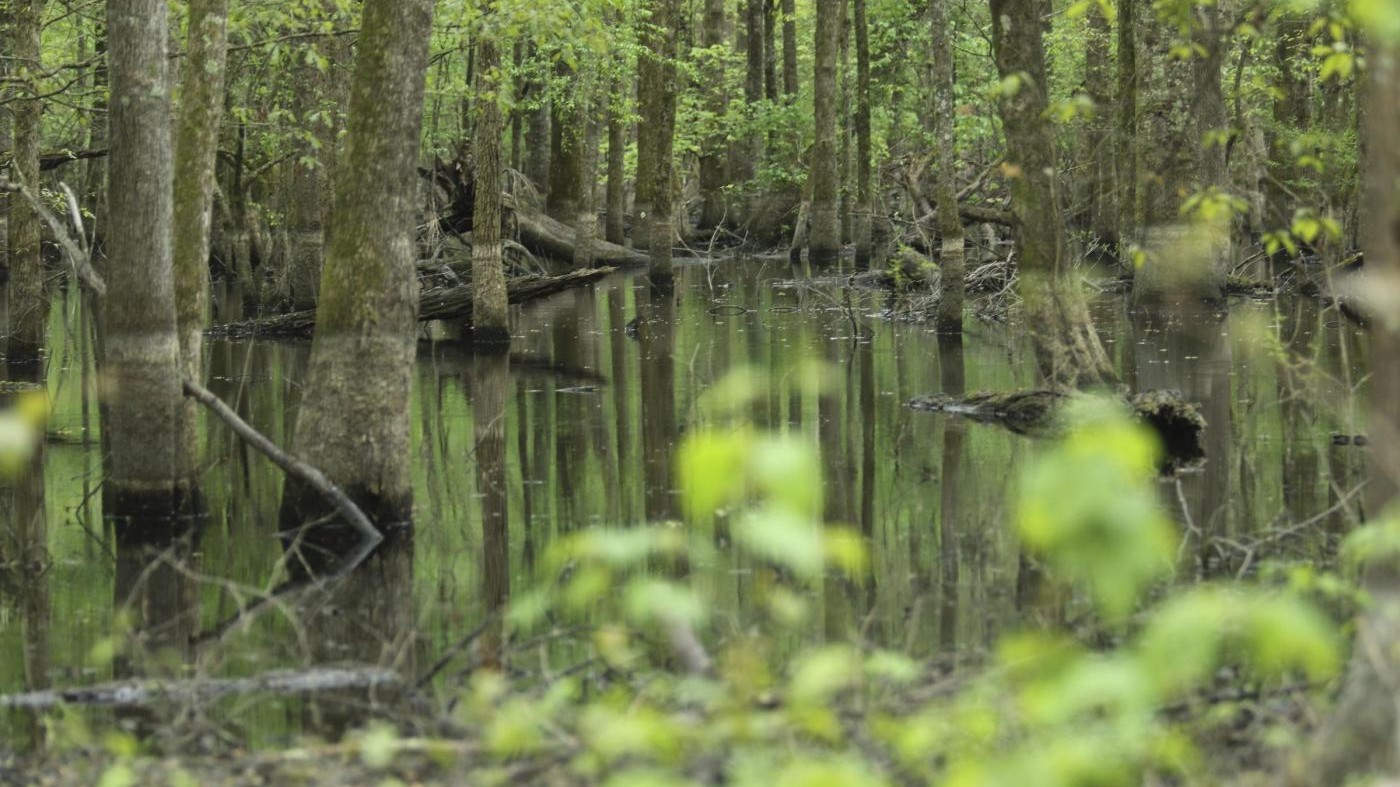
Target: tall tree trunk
x=201 y=107
x=537 y=131
x=564 y=187
x=770 y=50
x=1208 y=110
x=354 y=419
x=1099 y=159
x=1291 y=116
x=6 y=132
x=1125 y=149
x=594 y=106
x=28 y=307
x=657 y=99
x=141 y=368
x=864 y=207
x=950 y=228
x=824 y=243
x=1067 y=347
x=789 y=48
x=713 y=172
x=616 y=231
x=489 y=307
x=1361 y=736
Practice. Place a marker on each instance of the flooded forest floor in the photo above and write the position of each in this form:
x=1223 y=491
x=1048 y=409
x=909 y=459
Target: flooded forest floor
x=591 y=408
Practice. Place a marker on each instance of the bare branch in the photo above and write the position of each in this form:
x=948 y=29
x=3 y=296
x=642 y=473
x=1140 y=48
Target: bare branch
x=75 y=249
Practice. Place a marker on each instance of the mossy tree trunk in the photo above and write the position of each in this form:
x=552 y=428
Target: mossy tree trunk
x=489 y=307
x=1361 y=736
x=616 y=230
x=537 y=131
x=564 y=149
x=354 y=418
x=714 y=176
x=824 y=240
x=789 y=48
x=594 y=110
x=1125 y=145
x=141 y=368
x=1099 y=159
x=28 y=308
x=1067 y=347
x=862 y=220
x=657 y=99
x=201 y=107
x=950 y=228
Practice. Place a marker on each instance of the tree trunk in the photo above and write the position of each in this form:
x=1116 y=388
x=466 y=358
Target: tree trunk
x=354 y=420
x=770 y=50
x=862 y=220
x=950 y=227
x=713 y=175
x=789 y=48
x=201 y=107
x=537 y=132
x=1291 y=116
x=564 y=187
x=1067 y=347
x=595 y=107
x=657 y=97
x=616 y=231
x=489 y=309
x=824 y=242
x=1125 y=149
x=141 y=367
x=28 y=308
x=1361 y=736
x=1098 y=158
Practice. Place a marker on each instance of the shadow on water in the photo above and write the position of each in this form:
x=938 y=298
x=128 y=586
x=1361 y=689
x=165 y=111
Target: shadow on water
x=576 y=429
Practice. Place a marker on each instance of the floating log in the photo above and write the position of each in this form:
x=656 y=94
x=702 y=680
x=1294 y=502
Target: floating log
x=147 y=692
x=1177 y=422
x=443 y=303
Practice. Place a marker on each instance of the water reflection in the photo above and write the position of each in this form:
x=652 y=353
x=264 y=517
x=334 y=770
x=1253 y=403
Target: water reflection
x=576 y=429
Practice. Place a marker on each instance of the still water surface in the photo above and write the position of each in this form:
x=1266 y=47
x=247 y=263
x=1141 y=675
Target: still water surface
x=575 y=430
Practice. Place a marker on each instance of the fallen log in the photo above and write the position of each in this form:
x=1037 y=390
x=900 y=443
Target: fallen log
x=443 y=303
x=1177 y=422
x=146 y=692
x=549 y=238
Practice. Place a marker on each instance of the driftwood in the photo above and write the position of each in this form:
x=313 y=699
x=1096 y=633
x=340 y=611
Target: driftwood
x=289 y=464
x=1178 y=423
x=443 y=303
x=549 y=238
x=147 y=692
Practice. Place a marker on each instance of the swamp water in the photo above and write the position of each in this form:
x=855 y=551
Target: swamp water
x=576 y=430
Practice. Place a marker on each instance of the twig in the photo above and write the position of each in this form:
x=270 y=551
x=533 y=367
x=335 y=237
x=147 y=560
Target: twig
x=290 y=464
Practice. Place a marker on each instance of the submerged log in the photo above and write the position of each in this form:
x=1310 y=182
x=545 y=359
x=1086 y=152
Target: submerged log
x=1177 y=422
x=444 y=303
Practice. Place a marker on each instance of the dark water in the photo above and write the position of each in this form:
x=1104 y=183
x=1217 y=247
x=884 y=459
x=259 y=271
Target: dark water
x=575 y=430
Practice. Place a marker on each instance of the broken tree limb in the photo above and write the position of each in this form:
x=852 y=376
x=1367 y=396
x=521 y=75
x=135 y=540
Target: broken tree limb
x=291 y=465
x=1177 y=422
x=443 y=303
x=146 y=692
x=75 y=249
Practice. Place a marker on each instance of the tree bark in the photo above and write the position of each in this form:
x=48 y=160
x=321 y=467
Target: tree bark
x=537 y=131
x=770 y=50
x=564 y=151
x=201 y=107
x=824 y=242
x=616 y=230
x=1125 y=149
x=490 y=324
x=1361 y=736
x=28 y=309
x=1067 y=347
x=595 y=108
x=862 y=220
x=354 y=420
x=656 y=86
x=713 y=172
x=1099 y=158
x=789 y=48
x=949 y=316
x=141 y=367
